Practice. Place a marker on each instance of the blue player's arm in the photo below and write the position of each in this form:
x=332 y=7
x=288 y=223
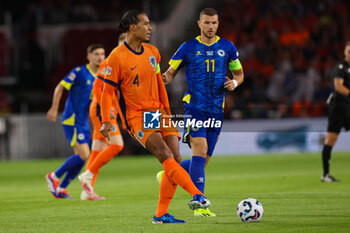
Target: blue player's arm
x=236 y=69
x=52 y=112
x=176 y=63
x=169 y=75
x=65 y=83
x=238 y=78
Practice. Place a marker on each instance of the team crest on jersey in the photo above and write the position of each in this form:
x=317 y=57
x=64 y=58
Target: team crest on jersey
x=153 y=61
x=72 y=76
x=114 y=129
x=108 y=70
x=140 y=134
x=88 y=82
x=221 y=52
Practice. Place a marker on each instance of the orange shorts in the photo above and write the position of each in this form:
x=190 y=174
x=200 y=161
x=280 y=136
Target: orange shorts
x=138 y=131
x=96 y=122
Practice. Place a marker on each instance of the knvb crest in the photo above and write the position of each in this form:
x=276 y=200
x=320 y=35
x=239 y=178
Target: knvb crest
x=153 y=61
x=151 y=120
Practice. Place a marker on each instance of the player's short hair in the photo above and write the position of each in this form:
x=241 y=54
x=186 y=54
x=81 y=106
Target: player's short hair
x=93 y=47
x=208 y=11
x=121 y=37
x=130 y=17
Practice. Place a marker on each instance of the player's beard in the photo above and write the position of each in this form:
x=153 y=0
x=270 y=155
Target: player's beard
x=207 y=36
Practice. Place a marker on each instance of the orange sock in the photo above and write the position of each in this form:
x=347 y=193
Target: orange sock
x=92 y=157
x=167 y=190
x=94 y=178
x=179 y=176
x=104 y=157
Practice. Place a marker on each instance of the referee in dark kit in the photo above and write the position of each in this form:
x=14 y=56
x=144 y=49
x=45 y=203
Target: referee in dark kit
x=338 y=111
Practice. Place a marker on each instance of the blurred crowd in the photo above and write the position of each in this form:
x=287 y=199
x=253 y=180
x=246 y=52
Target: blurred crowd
x=288 y=48
x=77 y=11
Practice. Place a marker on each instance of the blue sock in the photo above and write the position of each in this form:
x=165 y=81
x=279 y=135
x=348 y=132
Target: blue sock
x=197 y=172
x=185 y=164
x=68 y=165
x=71 y=174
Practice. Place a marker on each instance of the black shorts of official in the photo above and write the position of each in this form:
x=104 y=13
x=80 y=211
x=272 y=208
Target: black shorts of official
x=338 y=118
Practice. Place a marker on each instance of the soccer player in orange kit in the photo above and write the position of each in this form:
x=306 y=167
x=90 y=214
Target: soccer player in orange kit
x=102 y=151
x=134 y=69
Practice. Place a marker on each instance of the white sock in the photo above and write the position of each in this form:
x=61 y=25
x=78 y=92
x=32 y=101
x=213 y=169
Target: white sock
x=88 y=174
x=54 y=176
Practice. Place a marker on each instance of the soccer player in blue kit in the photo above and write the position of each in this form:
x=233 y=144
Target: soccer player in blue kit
x=75 y=119
x=207 y=58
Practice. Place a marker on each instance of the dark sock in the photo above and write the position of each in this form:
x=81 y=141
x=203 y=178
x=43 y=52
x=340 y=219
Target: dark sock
x=185 y=164
x=326 y=157
x=68 y=165
x=197 y=172
x=72 y=173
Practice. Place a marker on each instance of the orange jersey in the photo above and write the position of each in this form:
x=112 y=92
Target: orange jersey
x=97 y=91
x=138 y=78
x=98 y=84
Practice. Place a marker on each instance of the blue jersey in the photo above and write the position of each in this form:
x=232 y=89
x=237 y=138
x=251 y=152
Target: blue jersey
x=79 y=84
x=206 y=68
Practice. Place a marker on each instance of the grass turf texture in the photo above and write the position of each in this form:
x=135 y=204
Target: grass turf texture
x=288 y=186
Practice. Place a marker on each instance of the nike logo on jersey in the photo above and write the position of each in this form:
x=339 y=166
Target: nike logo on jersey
x=133 y=68
x=198 y=53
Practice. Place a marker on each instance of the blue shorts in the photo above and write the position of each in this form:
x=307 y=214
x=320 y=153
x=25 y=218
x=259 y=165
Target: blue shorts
x=76 y=134
x=210 y=131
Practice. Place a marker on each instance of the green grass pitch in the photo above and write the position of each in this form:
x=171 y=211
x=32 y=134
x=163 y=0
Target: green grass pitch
x=288 y=186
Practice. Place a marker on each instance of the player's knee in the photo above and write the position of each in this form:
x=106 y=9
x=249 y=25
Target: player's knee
x=163 y=150
x=330 y=142
x=199 y=148
x=331 y=139
x=117 y=140
x=162 y=153
x=177 y=158
x=200 y=151
x=84 y=155
x=119 y=144
x=117 y=147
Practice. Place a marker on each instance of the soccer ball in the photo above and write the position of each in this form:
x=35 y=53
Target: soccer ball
x=250 y=210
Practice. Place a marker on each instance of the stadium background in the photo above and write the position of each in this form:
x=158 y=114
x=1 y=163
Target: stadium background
x=288 y=49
